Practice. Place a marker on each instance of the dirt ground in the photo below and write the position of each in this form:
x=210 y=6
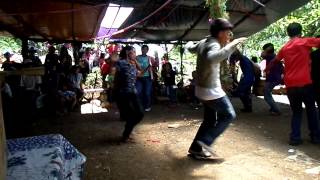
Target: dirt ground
x=254 y=147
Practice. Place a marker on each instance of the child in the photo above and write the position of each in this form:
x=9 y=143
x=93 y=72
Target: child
x=67 y=99
x=168 y=76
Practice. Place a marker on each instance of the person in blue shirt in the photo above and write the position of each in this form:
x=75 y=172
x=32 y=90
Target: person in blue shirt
x=273 y=78
x=246 y=82
x=130 y=108
x=144 y=81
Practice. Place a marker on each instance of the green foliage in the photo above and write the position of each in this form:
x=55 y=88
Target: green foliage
x=188 y=63
x=9 y=44
x=94 y=79
x=217 y=8
x=308 y=16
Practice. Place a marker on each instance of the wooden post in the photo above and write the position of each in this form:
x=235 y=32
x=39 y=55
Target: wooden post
x=24 y=48
x=181 y=62
x=3 y=143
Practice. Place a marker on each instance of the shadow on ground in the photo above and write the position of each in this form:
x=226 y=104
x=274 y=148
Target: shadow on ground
x=254 y=146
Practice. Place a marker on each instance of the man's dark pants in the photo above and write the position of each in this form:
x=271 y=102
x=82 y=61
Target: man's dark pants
x=218 y=114
x=131 y=111
x=243 y=91
x=318 y=101
x=296 y=96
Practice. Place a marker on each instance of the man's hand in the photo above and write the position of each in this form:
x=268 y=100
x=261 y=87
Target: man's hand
x=189 y=44
x=238 y=41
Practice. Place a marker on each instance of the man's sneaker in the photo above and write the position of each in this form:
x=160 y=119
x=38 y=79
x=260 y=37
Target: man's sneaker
x=295 y=142
x=208 y=149
x=148 y=109
x=199 y=154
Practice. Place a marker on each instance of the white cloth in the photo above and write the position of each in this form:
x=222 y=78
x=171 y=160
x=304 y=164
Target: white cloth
x=48 y=157
x=208 y=94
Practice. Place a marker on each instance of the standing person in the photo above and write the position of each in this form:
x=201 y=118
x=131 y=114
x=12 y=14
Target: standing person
x=84 y=68
x=52 y=70
x=246 y=82
x=105 y=69
x=8 y=65
x=34 y=57
x=51 y=62
x=102 y=59
x=257 y=75
x=315 y=56
x=127 y=99
x=297 y=78
x=218 y=110
x=144 y=82
x=273 y=78
x=169 y=78
x=65 y=60
x=88 y=57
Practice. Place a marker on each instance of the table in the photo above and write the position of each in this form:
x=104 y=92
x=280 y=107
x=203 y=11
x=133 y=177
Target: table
x=47 y=157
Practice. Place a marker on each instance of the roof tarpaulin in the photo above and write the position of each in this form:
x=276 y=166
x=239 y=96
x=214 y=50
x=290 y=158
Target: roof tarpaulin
x=65 y=20
x=79 y=20
x=188 y=19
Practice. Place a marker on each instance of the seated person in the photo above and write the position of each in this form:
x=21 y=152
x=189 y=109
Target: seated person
x=75 y=79
x=67 y=99
x=84 y=68
x=31 y=87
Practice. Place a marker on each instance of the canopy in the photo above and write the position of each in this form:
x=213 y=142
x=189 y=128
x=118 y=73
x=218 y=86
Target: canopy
x=183 y=20
x=186 y=20
x=59 y=20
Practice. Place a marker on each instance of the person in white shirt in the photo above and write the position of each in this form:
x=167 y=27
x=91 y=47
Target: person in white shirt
x=218 y=110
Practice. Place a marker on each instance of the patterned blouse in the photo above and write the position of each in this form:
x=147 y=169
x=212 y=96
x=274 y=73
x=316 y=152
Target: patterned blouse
x=125 y=78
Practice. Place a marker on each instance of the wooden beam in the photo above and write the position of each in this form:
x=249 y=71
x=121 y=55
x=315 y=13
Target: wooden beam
x=11 y=30
x=72 y=21
x=99 y=20
x=28 y=26
x=243 y=12
x=58 y=41
x=249 y=14
x=31 y=71
x=203 y=13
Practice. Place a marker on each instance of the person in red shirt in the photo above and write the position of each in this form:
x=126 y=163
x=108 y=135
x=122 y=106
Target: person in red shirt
x=105 y=69
x=102 y=59
x=297 y=78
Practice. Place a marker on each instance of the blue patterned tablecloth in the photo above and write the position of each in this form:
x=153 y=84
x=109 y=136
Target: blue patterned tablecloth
x=48 y=157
